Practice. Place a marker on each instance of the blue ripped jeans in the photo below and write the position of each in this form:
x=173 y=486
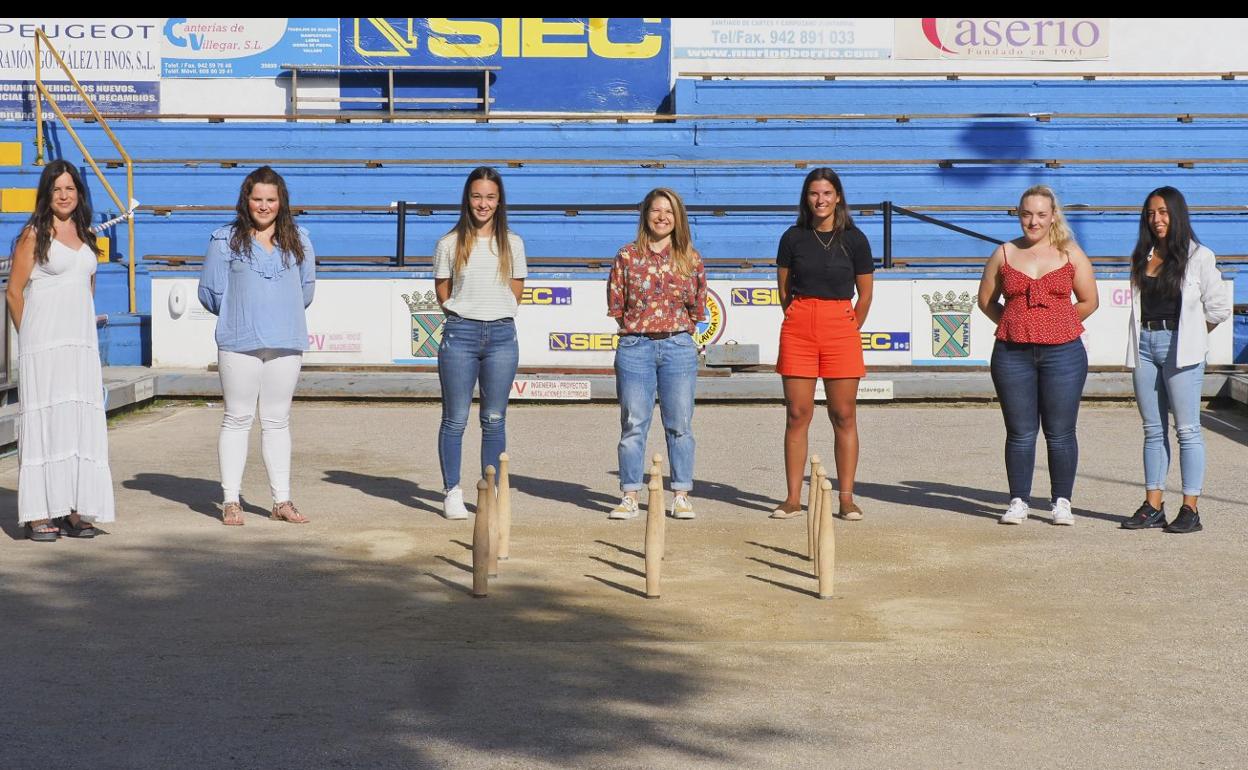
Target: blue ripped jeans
x=1161 y=388
x=472 y=352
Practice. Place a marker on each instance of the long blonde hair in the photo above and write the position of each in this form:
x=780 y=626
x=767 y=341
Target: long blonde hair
x=465 y=229
x=682 y=242
x=1060 y=236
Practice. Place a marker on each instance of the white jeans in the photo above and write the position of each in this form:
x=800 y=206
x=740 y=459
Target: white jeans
x=271 y=375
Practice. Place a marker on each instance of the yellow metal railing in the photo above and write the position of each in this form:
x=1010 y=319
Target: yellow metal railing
x=41 y=93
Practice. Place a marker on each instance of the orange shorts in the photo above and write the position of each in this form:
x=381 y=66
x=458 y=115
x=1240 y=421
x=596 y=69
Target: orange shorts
x=819 y=338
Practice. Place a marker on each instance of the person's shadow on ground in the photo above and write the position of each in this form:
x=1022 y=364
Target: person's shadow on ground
x=203 y=496
x=402 y=491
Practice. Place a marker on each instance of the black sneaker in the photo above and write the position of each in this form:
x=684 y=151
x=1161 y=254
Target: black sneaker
x=1188 y=520
x=1146 y=517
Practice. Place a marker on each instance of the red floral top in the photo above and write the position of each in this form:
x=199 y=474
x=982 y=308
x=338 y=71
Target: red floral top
x=1038 y=310
x=650 y=296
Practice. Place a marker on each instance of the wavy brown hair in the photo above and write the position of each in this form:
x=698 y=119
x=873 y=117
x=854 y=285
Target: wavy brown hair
x=41 y=220
x=285 y=231
x=682 y=242
x=465 y=229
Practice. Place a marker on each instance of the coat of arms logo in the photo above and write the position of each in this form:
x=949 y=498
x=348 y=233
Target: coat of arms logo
x=427 y=322
x=951 y=323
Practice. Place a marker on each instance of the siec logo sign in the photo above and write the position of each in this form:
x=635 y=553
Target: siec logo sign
x=512 y=38
x=546 y=295
x=885 y=340
x=580 y=342
x=755 y=295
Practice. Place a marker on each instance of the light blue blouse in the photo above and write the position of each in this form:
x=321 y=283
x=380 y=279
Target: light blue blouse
x=259 y=300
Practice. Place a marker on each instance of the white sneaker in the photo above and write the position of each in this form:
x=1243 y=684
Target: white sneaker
x=453 y=506
x=627 y=509
x=682 y=508
x=1017 y=512
x=1061 y=512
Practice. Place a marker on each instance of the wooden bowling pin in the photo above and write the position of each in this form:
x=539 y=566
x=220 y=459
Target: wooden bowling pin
x=504 y=506
x=481 y=543
x=827 y=542
x=492 y=519
x=654 y=537
x=812 y=507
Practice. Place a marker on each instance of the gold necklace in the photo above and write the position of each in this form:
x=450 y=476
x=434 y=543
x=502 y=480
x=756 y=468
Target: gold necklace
x=826 y=246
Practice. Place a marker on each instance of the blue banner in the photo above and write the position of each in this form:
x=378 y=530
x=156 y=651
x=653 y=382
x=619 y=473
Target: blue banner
x=569 y=65
x=17 y=98
x=245 y=48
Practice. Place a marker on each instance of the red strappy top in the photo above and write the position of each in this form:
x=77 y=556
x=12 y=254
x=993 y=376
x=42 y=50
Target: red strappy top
x=1038 y=310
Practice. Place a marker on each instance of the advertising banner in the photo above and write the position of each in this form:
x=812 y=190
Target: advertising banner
x=117 y=61
x=1051 y=39
x=244 y=48
x=564 y=323
x=803 y=42
x=605 y=65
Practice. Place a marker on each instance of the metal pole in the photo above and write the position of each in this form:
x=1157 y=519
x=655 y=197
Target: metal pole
x=38 y=104
x=294 y=93
x=888 y=234
x=401 y=235
x=390 y=90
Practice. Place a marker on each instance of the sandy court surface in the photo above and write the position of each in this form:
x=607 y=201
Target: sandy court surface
x=353 y=642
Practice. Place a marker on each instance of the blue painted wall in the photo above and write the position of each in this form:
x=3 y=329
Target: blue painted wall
x=737 y=235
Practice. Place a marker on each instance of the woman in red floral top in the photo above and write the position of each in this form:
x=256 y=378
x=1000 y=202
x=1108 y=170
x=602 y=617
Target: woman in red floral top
x=657 y=294
x=1039 y=363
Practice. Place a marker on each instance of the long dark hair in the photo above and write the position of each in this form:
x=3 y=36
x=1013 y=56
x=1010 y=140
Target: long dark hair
x=285 y=231
x=840 y=217
x=1172 y=251
x=41 y=220
x=466 y=229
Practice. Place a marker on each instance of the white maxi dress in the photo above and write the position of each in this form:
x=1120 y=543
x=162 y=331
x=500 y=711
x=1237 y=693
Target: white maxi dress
x=62 y=441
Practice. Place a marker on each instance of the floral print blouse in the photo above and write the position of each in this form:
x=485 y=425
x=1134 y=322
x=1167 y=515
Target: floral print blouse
x=651 y=297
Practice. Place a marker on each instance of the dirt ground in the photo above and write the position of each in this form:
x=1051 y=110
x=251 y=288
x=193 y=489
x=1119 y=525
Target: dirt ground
x=353 y=641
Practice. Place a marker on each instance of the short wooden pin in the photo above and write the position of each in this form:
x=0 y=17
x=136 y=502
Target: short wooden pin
x=481 y=543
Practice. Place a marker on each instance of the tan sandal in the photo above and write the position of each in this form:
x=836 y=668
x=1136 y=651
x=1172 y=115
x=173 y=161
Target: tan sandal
x=232 y=515
x=783 y=513
x=850 y=512
x=286 y=511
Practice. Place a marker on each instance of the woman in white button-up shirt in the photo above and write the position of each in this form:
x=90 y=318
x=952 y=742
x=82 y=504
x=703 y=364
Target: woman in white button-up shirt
x=1178 y=298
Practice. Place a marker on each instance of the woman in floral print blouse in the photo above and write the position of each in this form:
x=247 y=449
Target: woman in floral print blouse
x=657 y=294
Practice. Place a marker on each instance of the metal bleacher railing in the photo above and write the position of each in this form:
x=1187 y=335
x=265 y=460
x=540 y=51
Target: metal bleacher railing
x=886 y=209
x=41 y=93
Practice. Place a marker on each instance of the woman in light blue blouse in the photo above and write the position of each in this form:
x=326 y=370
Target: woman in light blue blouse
x=259 y=275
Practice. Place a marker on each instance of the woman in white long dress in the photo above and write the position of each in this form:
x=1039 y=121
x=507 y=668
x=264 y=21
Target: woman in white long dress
x=64 y=482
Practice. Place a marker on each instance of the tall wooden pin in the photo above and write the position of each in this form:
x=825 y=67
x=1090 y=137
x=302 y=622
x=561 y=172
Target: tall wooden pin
x=656 y=472
x=827 y=542
x=504 y=507
x=812 y=507
x=481 y=543
x=824 y=499
x=492 y=519
x=654 y=536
